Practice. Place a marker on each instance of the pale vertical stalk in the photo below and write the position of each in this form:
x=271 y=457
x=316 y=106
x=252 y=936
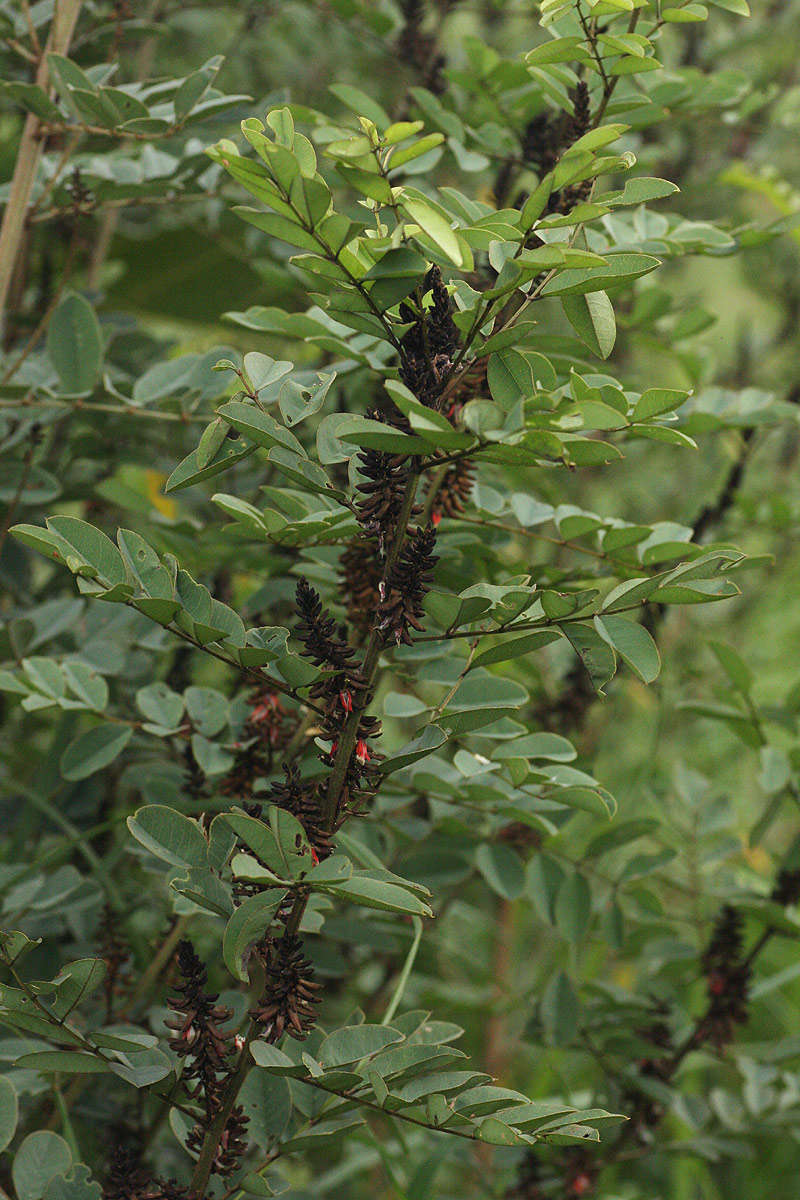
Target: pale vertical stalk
x=30 y=152
x=110 y=218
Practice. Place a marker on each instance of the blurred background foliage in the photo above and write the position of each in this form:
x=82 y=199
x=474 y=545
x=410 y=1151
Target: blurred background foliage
x=162 y=277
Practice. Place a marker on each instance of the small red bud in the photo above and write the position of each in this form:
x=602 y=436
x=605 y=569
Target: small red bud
x=314 y=857
x=362 y=751
x=346 y=701
x=716 y=984
x=436 y=518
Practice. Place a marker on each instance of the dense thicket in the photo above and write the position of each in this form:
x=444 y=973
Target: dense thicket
x=400 y=764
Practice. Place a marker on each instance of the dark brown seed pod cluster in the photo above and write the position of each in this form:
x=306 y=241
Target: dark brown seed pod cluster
x=316 y=629
x=250 y=765
x=429 y=345
x=541 y=143
x=454 y=491
x=400 y=609
x=381 y=489
x=194 y=780
x=574 y=126
x=787 y=888
x=197 y=1037
x=470 y=383
x=361 y=571
x=288 y=1003
x=644 y=1110
x=302 y=799
x=338 y=690
x=128 y=1179
x=267 y=730
x=581 y=118
x=114 y=950
x=420 y=49
x=232 y=1143
x=546 y=137
x=727 y=977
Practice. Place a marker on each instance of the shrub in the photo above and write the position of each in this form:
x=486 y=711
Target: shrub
x=321 y=734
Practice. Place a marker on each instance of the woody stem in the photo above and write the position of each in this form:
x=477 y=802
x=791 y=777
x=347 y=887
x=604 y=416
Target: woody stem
x=372 y=654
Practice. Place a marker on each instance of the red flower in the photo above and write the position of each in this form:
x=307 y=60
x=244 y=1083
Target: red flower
x=362 y=751
x=580 y=1184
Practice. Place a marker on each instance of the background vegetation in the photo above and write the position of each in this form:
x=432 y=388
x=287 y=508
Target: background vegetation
x=571 y=938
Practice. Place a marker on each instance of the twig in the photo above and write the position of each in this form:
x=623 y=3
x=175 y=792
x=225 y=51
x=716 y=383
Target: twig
x=28 y=155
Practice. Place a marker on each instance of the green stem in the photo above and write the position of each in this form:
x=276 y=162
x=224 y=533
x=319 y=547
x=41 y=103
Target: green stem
x=405 y=973
x=210 y=1147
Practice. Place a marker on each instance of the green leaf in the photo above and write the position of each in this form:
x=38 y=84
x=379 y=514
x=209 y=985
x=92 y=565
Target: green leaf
x=9 y=1111
x=562 y=49
x=160 y=704
x=437 y=227
x=573 y=907
x=641 y=191
x=271 y=1059
x=71 y=1062
x=75 y=345
x=41 y=1157
x=87 y=551
x=685 y=14
x=592 y=318
x=538 y=745
x=169 y=835
x=192 y=470
x=633 y=644
x=208 y=710
x=502 y=869
x=503 y=649
x=559 y=1009
x=734 y=667
x=93 y=750
x=267 y=1103
x=497 y=1133
x=265 y=372
x=655 y=401
x=352 y=1043
x=740 y=7
x=375 y=893
x=620 y=834
x=76 y=1185
x=360 y=103
x=293 y=849
x=431 y=738
x=211 y=442
x=32 y=98
x=619 y=268
x=594 y=652
x=261 y=428
x=194 y=87
x=408 y=153
x=248 y=924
